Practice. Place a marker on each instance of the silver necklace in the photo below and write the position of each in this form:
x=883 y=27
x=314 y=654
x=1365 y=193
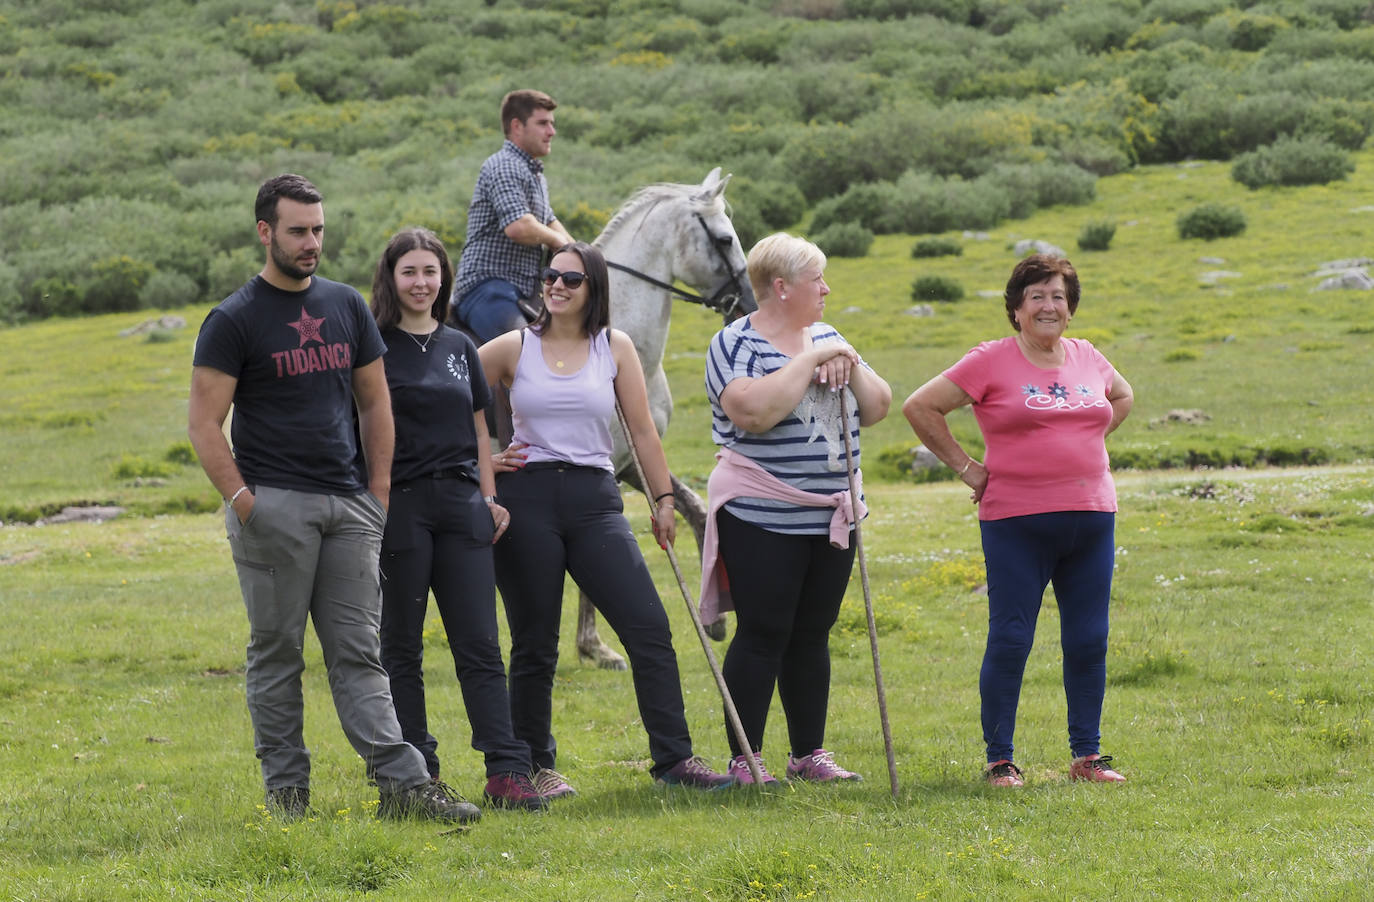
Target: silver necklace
x=422 y=345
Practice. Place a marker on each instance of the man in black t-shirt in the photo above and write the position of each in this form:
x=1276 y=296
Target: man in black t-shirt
x=293 y=353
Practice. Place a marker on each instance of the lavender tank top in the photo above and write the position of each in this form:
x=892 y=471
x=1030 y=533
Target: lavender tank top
x=564 y=417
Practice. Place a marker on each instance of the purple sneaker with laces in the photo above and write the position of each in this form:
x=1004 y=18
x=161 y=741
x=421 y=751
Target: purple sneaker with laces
x=818 y=767
x=695 y=773
x=512 y=790
x=739 y=769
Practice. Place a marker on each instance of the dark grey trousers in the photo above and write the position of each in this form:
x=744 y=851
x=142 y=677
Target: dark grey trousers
x=299 y=555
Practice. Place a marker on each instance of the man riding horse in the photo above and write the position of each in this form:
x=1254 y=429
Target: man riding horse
x=510 y=222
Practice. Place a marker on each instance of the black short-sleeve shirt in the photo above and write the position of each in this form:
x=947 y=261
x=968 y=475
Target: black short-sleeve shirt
x=293 y=353
x=434 y=394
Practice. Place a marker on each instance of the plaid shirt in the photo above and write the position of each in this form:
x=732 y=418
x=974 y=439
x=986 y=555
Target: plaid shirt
x=510 y=185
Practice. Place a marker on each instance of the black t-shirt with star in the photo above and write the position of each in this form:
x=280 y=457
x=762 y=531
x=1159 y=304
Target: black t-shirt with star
x=293 y=353
x=437 y=385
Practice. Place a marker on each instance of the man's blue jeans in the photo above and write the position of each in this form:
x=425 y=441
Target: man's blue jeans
x=491 y=308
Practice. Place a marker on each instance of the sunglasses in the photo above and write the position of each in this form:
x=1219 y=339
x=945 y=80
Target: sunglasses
x=570 y=279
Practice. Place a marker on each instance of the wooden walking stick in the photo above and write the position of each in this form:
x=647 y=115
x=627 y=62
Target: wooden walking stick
x=868 y=599
x=730 y=713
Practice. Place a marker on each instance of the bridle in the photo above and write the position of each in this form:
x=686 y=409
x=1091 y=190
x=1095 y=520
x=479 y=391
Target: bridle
x=726 y=300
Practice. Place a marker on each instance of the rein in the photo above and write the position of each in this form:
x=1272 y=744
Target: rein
x=726 y=297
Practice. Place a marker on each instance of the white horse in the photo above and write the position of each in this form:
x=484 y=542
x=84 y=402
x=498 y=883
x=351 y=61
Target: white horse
x=663 y=234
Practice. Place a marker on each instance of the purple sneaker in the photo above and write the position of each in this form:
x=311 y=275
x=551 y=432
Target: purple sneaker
x=550 y=784
x=695 y=774
x=513 y=790
x=739 y=769
x=818 y=767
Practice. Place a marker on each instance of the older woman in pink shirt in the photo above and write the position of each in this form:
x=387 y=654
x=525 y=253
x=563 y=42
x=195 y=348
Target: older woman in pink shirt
x=1046 y=501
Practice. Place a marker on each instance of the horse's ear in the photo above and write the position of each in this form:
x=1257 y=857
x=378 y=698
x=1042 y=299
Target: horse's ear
x=713 y=184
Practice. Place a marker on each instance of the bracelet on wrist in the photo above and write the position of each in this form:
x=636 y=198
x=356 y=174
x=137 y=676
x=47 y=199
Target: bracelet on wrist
x=489 y=499
x=966 y=466
x=658 y=499
x=234 y=497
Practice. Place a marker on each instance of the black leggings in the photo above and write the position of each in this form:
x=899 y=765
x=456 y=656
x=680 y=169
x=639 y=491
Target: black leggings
x=787 y=591
x=438 y=533
x=570 y=519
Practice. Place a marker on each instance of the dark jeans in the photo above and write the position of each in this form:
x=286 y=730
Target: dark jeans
x=787 y=591
x=439 y=534
x=567 y=518
x=1074 y=550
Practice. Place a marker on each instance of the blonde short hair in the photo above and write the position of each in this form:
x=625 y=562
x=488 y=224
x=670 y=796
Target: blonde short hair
x=781 y=255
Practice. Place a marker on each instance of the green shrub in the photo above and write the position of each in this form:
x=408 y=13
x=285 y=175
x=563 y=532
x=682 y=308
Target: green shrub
x=936 y=288
x=168 y=288
x=1096 y=236
x=1292 y=161
x=780 y=204
x=1210 y=221
x=937 y=247
x=131 y=466
x=925 y=203
x=180 y=453
x=844 y=239
x=115 y=284
x=865 y=204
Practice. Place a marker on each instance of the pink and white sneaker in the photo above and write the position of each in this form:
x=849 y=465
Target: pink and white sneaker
x=1094 y=769
x=818 y=767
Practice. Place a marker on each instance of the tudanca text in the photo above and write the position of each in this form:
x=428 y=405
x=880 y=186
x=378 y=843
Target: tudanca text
x=300 y=361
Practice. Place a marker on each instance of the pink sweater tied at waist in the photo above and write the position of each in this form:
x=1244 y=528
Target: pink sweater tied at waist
x=736 y=476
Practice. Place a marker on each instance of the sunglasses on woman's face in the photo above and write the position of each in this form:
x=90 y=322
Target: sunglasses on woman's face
x=570 y=279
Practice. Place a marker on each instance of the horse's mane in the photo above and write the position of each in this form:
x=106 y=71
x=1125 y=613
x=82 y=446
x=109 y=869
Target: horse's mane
x=646 y=198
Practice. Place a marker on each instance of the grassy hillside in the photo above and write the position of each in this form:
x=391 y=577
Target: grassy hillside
x=1279 y=369
x=133 y=132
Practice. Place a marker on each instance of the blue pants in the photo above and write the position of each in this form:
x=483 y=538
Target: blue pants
x=306 y=555
x=439 y=534
x=568 y=518
x=491 y=308
x=1073 y=550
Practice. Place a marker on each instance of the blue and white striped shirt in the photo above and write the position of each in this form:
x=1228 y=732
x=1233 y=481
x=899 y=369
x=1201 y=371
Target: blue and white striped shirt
x=805 y=449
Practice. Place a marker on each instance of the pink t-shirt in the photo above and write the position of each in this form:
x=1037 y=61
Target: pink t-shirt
x=1044 y=428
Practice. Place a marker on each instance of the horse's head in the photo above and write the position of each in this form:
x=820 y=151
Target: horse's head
x=733 y=296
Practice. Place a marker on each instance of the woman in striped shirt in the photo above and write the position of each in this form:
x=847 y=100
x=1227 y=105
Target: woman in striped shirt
x=780 y=500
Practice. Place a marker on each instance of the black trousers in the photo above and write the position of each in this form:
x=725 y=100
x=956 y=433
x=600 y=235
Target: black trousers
x=438 y=534
x=787 y=591
x=571 y=519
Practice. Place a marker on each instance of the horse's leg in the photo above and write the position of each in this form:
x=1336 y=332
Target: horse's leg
x=590 y=648
x=693 y=510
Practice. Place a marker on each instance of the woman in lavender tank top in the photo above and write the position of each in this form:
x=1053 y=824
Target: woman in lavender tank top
x=565 y=374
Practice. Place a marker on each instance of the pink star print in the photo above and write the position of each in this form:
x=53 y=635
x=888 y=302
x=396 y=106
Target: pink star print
x=309 y=327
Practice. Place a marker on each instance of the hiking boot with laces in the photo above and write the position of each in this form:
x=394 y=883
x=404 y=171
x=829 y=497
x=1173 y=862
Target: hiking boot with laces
x=550 y=784
x=1094 y=769
x=739 y=769
x=433 y=800
x=289 y=802
x=512 y=790
x=695 y=773
x=1003 y=773
x=818 y=767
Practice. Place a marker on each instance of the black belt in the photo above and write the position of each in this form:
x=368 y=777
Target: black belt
x=449 y=473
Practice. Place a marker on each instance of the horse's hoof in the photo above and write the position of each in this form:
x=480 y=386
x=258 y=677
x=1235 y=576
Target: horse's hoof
x=716 y=629
x=604 y=658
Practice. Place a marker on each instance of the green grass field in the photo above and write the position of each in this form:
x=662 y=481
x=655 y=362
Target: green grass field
x=1239 y=704
x=1239 y=698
